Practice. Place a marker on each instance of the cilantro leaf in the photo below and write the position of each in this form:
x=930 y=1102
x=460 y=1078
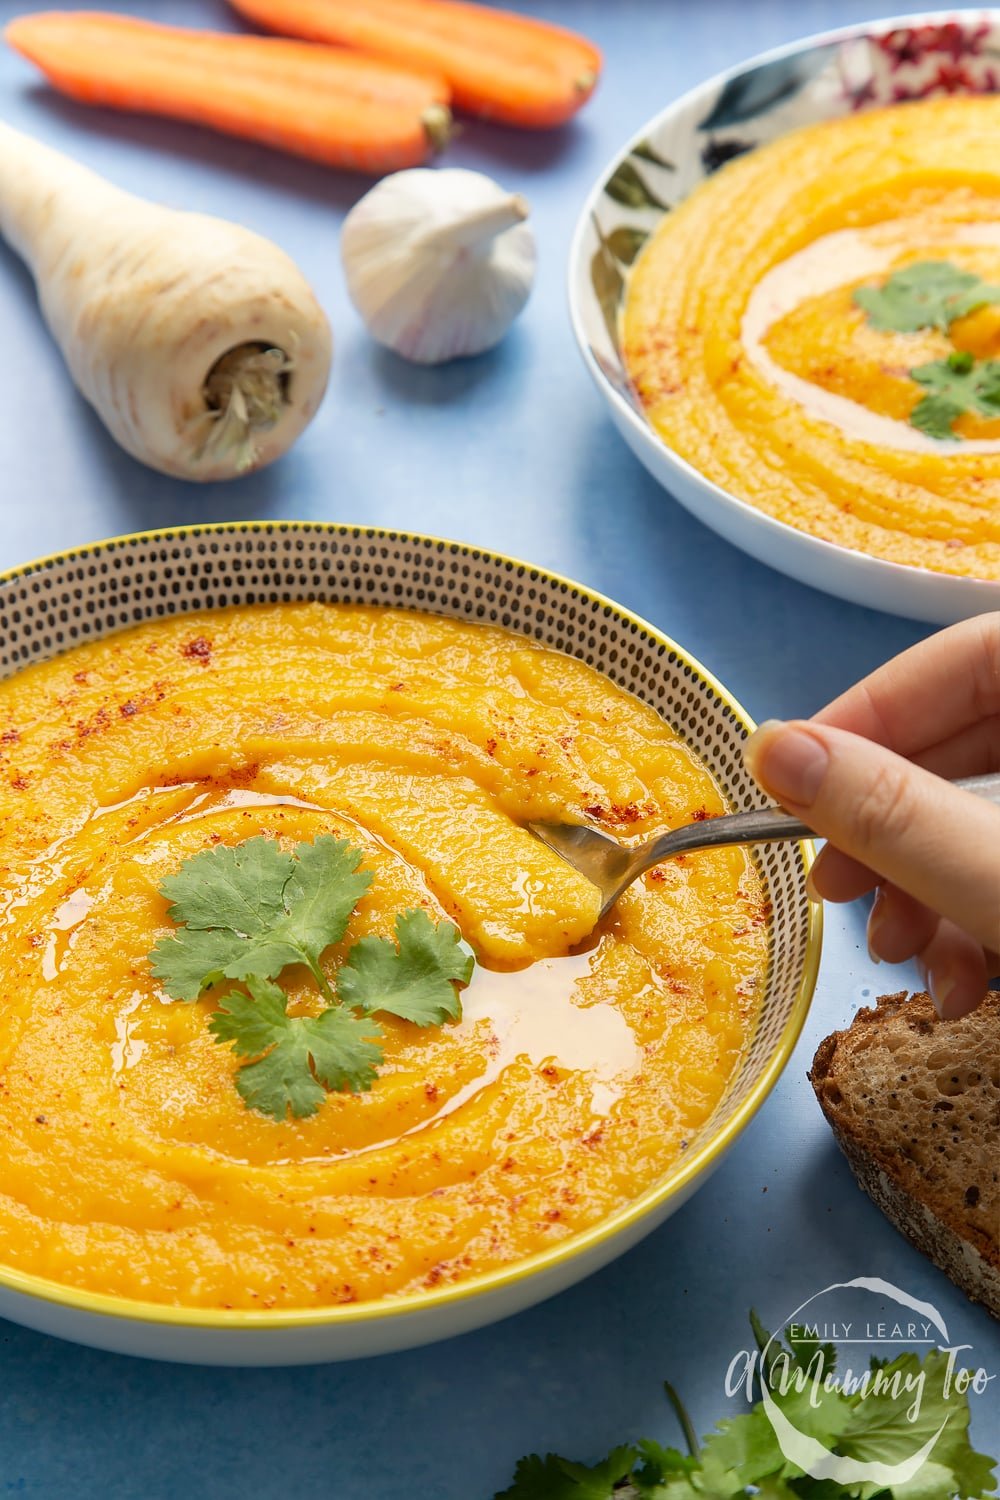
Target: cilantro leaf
x=238 y=888
x=254 y=908
x=884 y=1428
x=555 y=1478
x=663 y=1474
x=658 y=1462
x=673 y=1487
x=956 y=385
x=303 y=1056
x=249 y=911
x=322 y=891
x=928 y=294
x=741 y=1451
x=251 y=1022
x=190 y=961
x=413 y=978
x=741 y=1459
x=809 y=1353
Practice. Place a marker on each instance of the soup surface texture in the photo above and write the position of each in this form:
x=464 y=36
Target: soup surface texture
x=756 y=363
x=132 y=1166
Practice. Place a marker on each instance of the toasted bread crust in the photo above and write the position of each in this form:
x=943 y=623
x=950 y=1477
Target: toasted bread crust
x=879 y=1084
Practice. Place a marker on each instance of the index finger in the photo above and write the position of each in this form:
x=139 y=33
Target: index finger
x=928 y=694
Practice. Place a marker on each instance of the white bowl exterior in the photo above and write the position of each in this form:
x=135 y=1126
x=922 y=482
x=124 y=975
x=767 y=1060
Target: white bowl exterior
x=857 y=577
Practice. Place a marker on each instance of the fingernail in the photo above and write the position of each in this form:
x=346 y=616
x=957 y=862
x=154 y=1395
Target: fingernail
x=789 y=762
x=875 y=919
x=939 y=987
x=811 y=892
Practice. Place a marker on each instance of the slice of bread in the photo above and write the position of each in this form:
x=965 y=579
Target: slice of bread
x=914 y=1103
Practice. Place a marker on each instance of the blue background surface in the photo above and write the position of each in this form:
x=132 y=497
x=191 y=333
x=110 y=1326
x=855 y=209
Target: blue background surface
x=513 y=451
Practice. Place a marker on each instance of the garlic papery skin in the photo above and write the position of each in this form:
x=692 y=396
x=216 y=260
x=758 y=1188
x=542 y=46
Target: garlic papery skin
x=438 y=262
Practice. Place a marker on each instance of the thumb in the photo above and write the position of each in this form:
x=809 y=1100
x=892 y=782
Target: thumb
x=933 y=840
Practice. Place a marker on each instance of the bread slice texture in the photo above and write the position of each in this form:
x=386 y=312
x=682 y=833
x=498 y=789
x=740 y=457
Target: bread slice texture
x=914 y=1103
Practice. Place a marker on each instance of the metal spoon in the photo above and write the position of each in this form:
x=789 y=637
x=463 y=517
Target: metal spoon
x=612 y=867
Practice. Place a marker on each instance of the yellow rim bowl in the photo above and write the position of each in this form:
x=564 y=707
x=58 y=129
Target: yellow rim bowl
x=388 y=557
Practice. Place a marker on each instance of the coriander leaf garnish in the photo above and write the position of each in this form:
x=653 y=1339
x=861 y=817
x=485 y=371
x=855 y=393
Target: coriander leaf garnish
x=955 y=385
x=413 y=978
x=932 y=294
x=247 y=912
x=192 y=960
x=742 y=1460
x=928 y=294
x=255 y=908
x=302 y=1056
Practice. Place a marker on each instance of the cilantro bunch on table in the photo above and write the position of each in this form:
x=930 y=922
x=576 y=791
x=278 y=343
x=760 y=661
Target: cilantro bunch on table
x=742 y=1460
x=247 y=912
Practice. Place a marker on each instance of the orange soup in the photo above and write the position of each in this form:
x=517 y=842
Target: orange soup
x=770 y=335
x=580 y=1068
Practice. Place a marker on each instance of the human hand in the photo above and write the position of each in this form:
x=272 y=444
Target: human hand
x=866 y=772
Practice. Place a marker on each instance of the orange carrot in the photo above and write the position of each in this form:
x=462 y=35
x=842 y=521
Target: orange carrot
x=341 y=108
x=502 y=66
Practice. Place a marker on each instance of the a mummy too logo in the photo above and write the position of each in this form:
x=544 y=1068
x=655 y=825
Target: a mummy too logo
x=867 y=1388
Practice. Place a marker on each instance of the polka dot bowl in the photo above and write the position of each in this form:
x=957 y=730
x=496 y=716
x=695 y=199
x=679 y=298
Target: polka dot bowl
x=51 y=605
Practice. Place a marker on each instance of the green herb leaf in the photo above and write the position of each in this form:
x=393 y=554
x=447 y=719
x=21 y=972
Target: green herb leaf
x=253 y=909
x=928 y=294
x=742 y=1450
x=887 y=1427
x=189 y=961
x=741 y=1459
x=555 y=1478
x=663 y=1473
x=957 y=384
x=303 y=1056
x=413 y=978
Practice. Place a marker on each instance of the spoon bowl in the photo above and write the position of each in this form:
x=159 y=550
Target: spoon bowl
x=612 y=866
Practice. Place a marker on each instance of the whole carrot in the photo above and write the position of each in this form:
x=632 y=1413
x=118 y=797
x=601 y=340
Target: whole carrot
x=348 y=110
x=502 y=66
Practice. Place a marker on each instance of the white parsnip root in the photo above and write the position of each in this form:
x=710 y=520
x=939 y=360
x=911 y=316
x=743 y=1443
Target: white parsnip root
x=199 y=343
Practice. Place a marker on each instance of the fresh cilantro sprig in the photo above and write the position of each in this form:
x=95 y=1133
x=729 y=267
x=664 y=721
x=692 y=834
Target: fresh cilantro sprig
x=928 y=294
x=741 y=1458
x=246 y=913
x=932 y=294
x=955 y=385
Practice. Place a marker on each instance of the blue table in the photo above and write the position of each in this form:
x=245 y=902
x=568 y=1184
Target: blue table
x=512 y=451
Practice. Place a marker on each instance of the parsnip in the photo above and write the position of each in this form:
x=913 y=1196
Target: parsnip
x=199 y=343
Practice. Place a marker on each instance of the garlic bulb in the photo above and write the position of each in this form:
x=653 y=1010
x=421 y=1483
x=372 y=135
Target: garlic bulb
x=438 y=262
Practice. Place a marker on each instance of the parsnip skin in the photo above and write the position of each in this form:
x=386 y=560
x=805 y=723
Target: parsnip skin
x=144 y=300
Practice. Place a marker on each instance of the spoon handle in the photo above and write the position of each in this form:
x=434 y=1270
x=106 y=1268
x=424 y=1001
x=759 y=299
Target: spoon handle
x=769 y=825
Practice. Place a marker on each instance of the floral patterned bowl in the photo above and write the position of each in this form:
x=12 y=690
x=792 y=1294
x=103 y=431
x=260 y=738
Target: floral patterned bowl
x=824 y=77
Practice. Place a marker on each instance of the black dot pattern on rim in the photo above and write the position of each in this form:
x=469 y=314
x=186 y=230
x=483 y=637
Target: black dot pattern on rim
x=50 y=606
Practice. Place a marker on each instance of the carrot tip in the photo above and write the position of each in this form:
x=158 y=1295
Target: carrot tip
x=438 y=125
